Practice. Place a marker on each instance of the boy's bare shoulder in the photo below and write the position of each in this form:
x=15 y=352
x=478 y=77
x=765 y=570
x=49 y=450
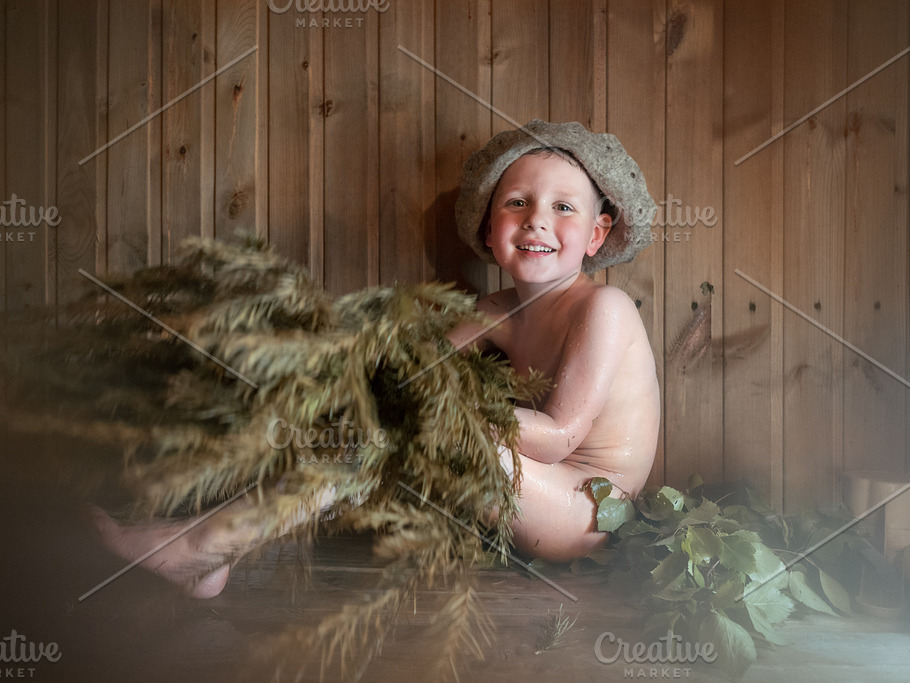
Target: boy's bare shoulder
x=498 y=303
x=610 y=301
x=591 y=301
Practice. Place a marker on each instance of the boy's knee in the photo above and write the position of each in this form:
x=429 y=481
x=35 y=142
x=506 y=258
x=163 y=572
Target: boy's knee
x=507 y=462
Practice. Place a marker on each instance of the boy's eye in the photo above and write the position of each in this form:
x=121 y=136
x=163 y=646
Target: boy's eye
x=563 y=207
x=521 y=203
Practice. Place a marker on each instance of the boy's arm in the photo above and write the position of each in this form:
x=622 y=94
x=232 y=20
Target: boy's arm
x=594 y=349
x=472 y=334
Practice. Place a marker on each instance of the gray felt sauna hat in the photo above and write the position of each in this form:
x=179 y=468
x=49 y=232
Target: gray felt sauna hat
x=602 y=156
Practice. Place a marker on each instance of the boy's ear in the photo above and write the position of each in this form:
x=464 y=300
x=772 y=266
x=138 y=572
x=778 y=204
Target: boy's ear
x=602 y=226
x=486 y=232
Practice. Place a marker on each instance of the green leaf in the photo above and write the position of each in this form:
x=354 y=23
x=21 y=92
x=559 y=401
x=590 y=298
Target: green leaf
x=732 y=643
x=800 y=590
x=705 y=513
x=763 y=625
x=769 y=601
x=748 y=535
x=835 y=592
x=727 y=595
x=636 y=527
x=612 y=513
x=769 y=570
x=727 y=526
x=680 y=589
x=601 y=488
x=657 y=507
x=703 y=546
x=737 y=554
x=672 y=543
x=669 y=568
x=675 y=498
x=658 y=624
x=695 y=481
x=786 y=531
x=603 y=556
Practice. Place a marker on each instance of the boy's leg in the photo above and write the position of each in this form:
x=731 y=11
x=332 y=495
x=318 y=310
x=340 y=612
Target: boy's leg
x=558 y=514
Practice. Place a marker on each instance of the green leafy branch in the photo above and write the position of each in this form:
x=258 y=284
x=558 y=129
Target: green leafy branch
x=714 y=577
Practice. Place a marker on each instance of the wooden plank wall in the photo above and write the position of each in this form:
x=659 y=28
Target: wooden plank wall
x=340 y=140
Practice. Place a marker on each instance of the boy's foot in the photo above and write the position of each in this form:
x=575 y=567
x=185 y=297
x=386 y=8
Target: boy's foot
x=189 y=560
x=199 y=559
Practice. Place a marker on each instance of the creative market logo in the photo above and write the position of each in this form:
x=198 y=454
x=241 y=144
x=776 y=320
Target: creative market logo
x=308 y=9
x=660 y=655
x=339 y=443
x=18 y=650
x=17 y=213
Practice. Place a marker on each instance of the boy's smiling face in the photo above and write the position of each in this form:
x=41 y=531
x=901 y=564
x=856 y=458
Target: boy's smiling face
x=542 y=219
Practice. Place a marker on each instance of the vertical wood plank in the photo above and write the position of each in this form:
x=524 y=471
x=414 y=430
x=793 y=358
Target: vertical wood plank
x=463 y=125
x=187 y=126
x=352 y=156
x=693 y=374
x=237 y=139
x=636 y=60
x=753 y=242
x=296 y=140
x=407 y=142
x=155 y=153
x=81 y=129
x=520 y=60
x=578 y=67
x=261 y=160
x=25 y=131
x=578 y=63
x=520 y=78
x=49 y=151
x=133 y=197
x=4 y=195
x=4 y=189
x=815 y=48
x=877 y=298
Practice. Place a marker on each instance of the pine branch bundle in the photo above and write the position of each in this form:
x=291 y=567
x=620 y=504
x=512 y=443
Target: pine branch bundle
x=354 y=397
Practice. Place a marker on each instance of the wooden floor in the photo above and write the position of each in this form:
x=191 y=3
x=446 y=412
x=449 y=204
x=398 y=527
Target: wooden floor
x=137 y=628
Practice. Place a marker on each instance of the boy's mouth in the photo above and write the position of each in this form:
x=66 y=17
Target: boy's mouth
x=540 y=248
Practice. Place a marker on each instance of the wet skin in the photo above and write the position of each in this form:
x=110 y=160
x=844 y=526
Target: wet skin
x=601 y=416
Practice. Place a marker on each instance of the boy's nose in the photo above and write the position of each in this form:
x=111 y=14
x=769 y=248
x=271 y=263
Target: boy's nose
x=535 y=219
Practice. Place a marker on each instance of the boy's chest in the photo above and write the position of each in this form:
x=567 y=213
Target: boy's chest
x=537 y=344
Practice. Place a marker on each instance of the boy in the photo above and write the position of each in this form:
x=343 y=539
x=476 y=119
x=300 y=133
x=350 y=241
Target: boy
x=536 y=201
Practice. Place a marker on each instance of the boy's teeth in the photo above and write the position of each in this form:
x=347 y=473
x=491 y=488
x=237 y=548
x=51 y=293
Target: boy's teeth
x=534 y=247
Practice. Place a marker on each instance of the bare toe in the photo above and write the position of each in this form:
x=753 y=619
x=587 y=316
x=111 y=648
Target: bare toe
x=211 y=584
